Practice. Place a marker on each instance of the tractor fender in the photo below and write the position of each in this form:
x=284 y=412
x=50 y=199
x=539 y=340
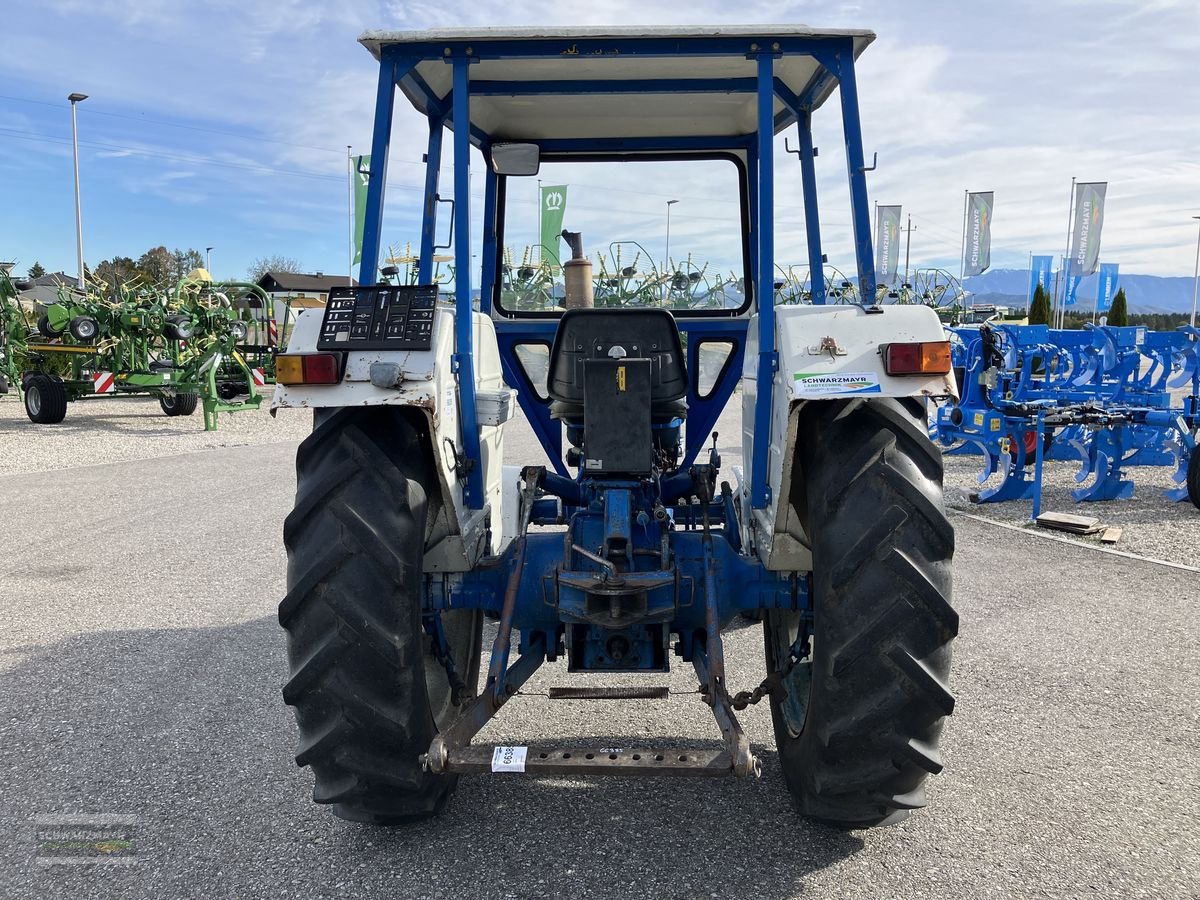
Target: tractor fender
x=834 y=351
x=423 y=381
x=825 y=353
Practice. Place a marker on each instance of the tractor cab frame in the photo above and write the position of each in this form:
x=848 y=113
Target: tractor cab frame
x=697 y=91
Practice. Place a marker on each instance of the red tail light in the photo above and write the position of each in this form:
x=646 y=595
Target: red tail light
x=918 y=358
x=308 y=368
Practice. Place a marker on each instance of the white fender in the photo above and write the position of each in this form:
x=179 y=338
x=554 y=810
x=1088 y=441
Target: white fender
x=825 y=353
x=426 y=383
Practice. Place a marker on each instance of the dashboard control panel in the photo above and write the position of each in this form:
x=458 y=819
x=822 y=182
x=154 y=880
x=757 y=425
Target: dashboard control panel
x=379 y=317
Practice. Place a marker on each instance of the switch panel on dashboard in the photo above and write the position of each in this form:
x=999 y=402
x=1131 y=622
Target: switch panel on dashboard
x=379 y=317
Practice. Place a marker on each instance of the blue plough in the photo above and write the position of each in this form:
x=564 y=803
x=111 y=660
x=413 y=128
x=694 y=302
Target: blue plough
x=1110 y=397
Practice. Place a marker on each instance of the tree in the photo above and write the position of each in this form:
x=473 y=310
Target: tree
x=158 y=266
x=116 y=272
x=1118 y=314
x=1039 y=310
x=185 y=261
x=36 y=270
x=276 y=263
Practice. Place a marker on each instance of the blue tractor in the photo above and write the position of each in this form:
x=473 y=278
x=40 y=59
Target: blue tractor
x=632 y=547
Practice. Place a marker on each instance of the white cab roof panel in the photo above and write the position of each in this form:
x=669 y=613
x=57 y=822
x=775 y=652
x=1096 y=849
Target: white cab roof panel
x=711 y=94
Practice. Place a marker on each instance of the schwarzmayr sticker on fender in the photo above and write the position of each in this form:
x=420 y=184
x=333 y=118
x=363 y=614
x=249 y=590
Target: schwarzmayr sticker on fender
x=837 y=383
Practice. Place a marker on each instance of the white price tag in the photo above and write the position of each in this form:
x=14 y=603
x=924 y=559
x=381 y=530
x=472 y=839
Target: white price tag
x=509 y=759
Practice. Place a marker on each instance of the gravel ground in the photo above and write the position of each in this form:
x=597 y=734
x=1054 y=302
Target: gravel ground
x=105 y=431
x=1150 y=524
x=140 y=672
x=140 y=667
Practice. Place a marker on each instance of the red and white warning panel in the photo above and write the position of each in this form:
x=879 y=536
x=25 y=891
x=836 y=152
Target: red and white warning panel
x=103 y=383
x=260 y=377
x=272 y=333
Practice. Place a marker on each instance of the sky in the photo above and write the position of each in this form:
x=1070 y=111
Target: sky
x=225 y=123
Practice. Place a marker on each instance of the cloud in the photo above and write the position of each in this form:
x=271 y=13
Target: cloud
x=1015 y=98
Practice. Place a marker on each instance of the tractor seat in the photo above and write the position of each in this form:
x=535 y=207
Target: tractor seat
x=585 y=334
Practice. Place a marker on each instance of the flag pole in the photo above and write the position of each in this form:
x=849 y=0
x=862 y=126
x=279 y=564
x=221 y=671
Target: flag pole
x=875 y=234
x=1029 y=298
x=350 y=208
x=1066 y=259
x=962 y=255
x=907 y=246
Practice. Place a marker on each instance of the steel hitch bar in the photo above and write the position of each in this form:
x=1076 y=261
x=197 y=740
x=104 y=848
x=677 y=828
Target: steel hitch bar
x=603 y=761
x=451 y=751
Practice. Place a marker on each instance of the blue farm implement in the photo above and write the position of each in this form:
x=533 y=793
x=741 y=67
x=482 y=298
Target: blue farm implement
x=634 y=545
x=1111 y=398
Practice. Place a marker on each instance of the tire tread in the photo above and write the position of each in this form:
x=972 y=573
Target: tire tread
x=352 y=613
x=882 y=547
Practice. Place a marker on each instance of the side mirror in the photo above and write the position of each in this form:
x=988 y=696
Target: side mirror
x=516 y=159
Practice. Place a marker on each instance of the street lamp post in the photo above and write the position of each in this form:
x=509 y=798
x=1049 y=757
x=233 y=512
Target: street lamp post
x=76 y=98
x=1196 y=273
x=208 y=260
x=667 y=261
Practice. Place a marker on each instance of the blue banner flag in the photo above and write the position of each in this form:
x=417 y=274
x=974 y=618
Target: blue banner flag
x=1069 y=298
x=1107 y=288
x=1039 y=273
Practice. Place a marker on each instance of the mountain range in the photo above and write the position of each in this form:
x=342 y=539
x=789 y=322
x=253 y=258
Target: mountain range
x=1144 y=293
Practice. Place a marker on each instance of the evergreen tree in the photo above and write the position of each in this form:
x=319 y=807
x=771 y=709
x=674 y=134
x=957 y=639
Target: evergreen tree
x=1039 y=310
x=185 y=261
x=1119 y=313
x=36 y=270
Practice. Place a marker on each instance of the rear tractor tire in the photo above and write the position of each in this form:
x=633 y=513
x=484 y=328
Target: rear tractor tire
x=858 y=728
x=45 y=399
x=178 y=404
x=368 y=694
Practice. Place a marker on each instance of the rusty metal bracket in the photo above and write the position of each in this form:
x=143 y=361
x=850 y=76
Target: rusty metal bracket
x=602 y=761
x=480 y=712
x=737 y=745
x=828 y=345
x=451 y=751
x=631 y=692
x=462 y=465
x=531 y=477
